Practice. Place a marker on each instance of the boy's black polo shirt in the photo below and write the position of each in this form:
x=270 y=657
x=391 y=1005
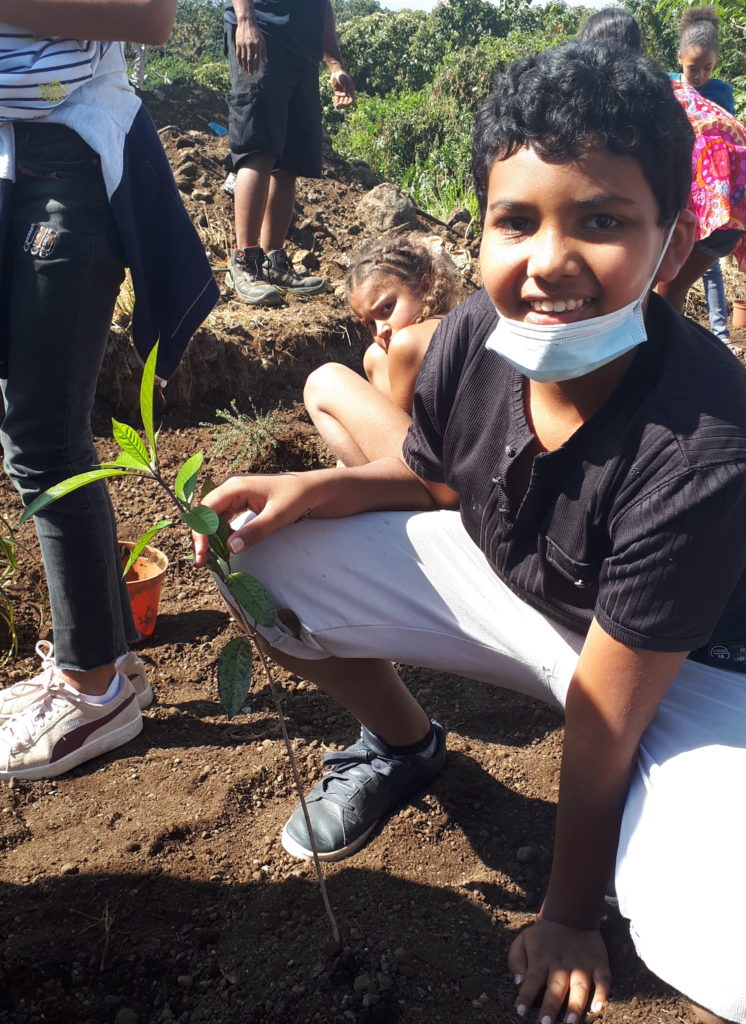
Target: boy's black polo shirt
x=639 y=519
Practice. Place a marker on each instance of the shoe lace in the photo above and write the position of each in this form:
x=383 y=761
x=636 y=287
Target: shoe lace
x=250 y=264
x=45 y=650
x=53 y=693
x=282 y=262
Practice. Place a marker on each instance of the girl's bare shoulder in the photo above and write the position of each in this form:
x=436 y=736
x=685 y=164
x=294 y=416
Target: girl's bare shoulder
x=415 y=337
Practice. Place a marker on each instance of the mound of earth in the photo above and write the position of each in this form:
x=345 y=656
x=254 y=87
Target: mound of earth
x=149 y=885
x=265 y=354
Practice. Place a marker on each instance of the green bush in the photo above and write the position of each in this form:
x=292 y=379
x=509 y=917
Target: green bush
x=167 y=69
x=214 y=74
x=422 y=140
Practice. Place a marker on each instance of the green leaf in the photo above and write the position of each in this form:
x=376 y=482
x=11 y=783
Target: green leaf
x=131 y=443
x=126 y=461
x=252 y=596
x=186 y=479
x=234 y=675
x=67 y=487
x=144 y=541
x=219 y=542
x=147 y=386
x=202 y=520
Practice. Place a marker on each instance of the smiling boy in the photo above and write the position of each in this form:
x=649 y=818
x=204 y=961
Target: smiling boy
x=593 y=443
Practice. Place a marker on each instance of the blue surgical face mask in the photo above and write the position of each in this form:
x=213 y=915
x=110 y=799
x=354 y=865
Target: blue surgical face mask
x=557 y=352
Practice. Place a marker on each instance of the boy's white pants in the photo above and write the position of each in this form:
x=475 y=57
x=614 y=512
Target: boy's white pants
x=413 y=588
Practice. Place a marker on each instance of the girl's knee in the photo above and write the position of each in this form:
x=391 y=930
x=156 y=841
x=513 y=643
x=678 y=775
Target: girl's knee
x=324 y=383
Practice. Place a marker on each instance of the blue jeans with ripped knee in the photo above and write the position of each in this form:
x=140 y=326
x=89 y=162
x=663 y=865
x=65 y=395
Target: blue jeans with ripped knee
x=61 y=270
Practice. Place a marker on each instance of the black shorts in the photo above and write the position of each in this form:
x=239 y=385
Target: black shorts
x=277 y=112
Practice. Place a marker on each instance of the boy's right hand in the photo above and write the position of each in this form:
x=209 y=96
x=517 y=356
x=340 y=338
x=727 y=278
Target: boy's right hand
x=562 y=967
x=251 y=50
x=277 y=501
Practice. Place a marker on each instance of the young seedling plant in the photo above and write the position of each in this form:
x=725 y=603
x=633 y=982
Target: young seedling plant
x=246 y=598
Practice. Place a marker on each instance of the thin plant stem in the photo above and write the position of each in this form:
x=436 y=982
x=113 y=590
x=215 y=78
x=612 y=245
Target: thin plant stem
x=296 y=779
x=251 y=633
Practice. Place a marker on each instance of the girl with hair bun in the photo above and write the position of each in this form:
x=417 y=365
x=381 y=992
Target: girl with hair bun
x=699 y=47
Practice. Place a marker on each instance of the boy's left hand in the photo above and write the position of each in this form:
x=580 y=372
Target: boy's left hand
x=569 y=965
x=343 y=88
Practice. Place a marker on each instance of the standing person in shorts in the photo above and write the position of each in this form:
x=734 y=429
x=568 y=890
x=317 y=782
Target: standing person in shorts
x=273 y=49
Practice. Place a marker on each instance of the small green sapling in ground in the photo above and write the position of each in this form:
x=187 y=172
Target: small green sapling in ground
x=246 y=597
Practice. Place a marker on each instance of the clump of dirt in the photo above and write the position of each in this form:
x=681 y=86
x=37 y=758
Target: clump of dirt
x=149 y=885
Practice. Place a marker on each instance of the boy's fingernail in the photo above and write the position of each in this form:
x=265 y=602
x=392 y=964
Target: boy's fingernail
x=521 y=1010
x=517 y=979
x=571 y=1018
x=236 y=545
x=546 y=1020
x=597 y=1006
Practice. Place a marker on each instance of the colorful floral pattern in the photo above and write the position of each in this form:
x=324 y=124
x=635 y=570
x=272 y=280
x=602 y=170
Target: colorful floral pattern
x=718 y=196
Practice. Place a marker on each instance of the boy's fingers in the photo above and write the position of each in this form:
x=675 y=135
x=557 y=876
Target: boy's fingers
x=529 y=990
x=602 y=981
x=262 y=525
x=517 y=959
x=577 y=1002
x=555 y=995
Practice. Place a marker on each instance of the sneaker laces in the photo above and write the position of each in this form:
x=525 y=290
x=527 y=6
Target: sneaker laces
x=45 y=650
x=251 y=261
x=55 y=693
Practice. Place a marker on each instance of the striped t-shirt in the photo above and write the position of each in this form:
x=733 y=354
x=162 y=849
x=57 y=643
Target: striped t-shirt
x=38 y=73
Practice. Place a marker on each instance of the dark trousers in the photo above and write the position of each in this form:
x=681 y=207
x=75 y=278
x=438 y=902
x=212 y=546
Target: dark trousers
x=62 y=268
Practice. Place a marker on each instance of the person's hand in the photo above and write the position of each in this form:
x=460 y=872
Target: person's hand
x=251 y=50
x=343 y=88
x=277 y=501
x=569 y=965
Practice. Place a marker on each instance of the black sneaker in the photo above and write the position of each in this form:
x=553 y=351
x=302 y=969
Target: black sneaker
x=281 y=273
x=366 y=782
x=246 y=277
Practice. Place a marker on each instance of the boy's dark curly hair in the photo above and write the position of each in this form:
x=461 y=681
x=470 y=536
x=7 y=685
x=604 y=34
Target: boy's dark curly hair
x=409 y=259
x=580 y=97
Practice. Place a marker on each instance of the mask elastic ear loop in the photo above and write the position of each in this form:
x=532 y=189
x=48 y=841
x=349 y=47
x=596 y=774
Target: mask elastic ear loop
x=664 y=250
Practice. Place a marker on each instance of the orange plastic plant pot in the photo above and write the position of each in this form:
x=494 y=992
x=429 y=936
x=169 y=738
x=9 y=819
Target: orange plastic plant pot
x=739 y=313
x=144 y=581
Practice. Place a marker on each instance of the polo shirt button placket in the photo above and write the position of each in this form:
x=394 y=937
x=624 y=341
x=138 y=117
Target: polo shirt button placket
x=503 y=508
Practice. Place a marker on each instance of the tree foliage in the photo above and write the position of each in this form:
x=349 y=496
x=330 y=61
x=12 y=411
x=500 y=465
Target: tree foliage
x=346 y=9
x=420 y=76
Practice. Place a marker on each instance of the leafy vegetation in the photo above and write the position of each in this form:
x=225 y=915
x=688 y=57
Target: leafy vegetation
x=251 y=439
x=420 y=76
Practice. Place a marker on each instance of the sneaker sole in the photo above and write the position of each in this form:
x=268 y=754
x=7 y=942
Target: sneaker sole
x=287 y=290
x=301 y=853
x=103 y=745
x=269 y=302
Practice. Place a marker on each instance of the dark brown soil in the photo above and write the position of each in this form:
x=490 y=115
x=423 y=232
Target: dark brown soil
x=150 y=885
